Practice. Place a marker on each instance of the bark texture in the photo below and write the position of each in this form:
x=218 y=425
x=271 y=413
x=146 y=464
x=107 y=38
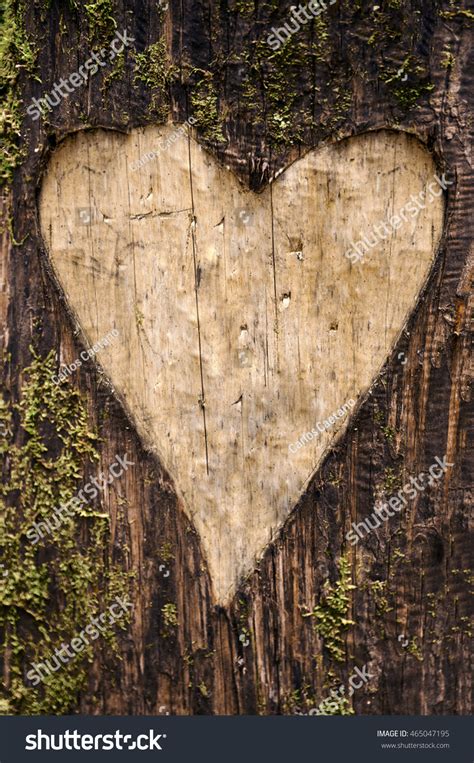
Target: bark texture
x=341 y=75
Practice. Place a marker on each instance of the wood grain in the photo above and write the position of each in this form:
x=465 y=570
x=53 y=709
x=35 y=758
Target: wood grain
x=242 y=323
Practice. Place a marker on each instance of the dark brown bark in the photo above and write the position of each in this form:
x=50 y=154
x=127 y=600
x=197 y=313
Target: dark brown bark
x=426 y=402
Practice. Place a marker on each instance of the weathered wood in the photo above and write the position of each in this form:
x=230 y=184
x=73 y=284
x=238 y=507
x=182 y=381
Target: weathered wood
x=241 y=322
x=417 y=409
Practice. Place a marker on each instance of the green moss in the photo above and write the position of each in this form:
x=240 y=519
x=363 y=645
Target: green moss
x=378 y=415
x=414 y=649
x=154 y=70
x=447 y=60
x=245 y=8
x=388 y=29
x=466 y=626
x=389 y=433
x=290 y=702
x=244 y=610
x=53 y=587
x=165 y=552
x=461 y=12
x=398 y=556
x=392 y=480
x=336 y=704
x=378 y=591
x=17 y=54
x=298 y=701
x=170 y=617
x=279 y=73
x=330 y=615
x=205 y=108
x=408 y=83
x=334 y=479
x=408 y=96
x=379 y=418
x=274 y=90
x=100 y=17
x=203 y=689
x=116 y=72
x=395 y=34
x=319 y=47
x=431 y=607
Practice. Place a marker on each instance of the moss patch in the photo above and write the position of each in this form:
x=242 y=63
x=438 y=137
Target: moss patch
x=152 y=67
x=330 y=615
x=170 y=618
x=52 y=587
x=101 y=21
x=17 y=54
x=408 y=83
x=205 y=107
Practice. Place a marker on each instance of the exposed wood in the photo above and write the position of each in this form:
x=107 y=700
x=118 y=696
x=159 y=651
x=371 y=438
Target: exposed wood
x=241 y=322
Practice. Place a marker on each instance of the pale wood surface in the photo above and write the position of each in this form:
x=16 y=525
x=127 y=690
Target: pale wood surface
x=289 y=329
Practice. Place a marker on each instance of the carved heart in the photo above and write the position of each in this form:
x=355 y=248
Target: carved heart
x=242 y=323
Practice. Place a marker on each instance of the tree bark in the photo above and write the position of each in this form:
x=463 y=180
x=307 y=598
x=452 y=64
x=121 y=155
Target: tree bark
x=341 y=75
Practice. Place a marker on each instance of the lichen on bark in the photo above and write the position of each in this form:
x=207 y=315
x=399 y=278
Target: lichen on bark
x=51 y=586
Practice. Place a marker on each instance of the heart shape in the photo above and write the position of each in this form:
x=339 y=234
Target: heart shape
x=242 y=324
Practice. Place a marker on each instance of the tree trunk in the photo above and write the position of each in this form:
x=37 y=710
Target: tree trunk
x=397 y=601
